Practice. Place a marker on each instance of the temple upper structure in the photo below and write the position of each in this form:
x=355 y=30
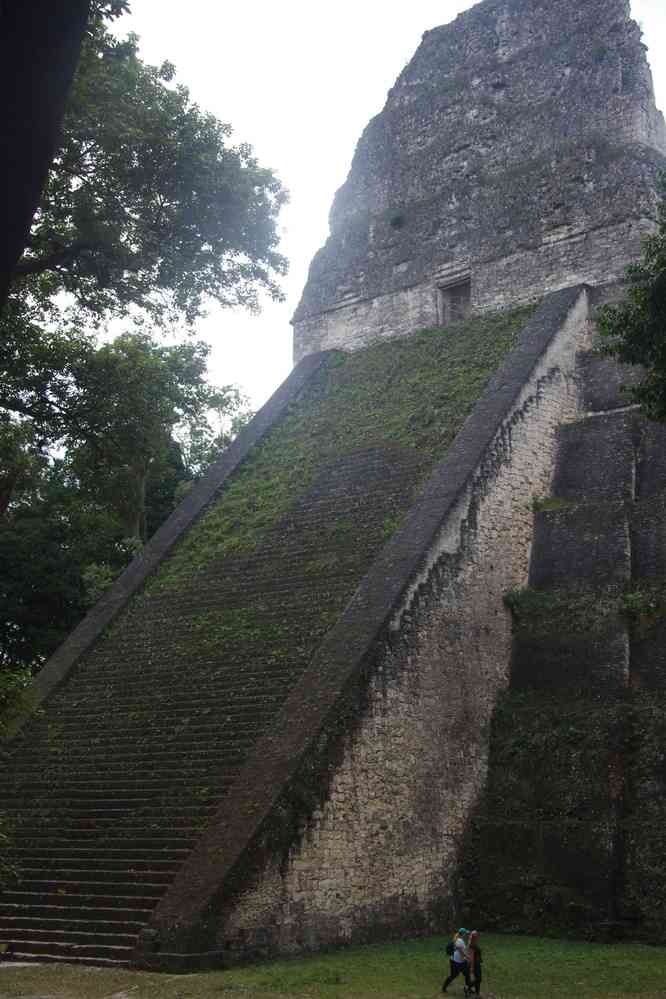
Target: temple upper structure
x=517 y=154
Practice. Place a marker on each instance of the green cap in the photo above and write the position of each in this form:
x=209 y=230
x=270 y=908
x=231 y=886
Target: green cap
x=463 y=930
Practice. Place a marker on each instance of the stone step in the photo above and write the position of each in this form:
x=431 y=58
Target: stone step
x=165 y=760
x=38 y=922
x=104 y=858
x=101 y=797
x=28 y=949
x=187 y=738
x=648 y=658
x=143 y=715
x=66 y=936
x=198 y=796
x=595 y=661
x=602 y=380
x=122 y=783
x=135 y=838
x=85 y=792
x=108 y=811
x=125 y=696
x=596 y=459
x=19 y=954
x=124 y=787
x=122 y=874
x=212 y=702
x=312 y=536
x=648 y=538
x=59 y=888
x=169 y=716
x=101 y=828
x=79 y=900
x=43 y=913
x=652 y=461
x=210 y=675
x=194 y=727
x=221 y=770
x=586 y=543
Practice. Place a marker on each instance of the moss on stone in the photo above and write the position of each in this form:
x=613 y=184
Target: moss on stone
x=411 y=392
x=563 y=610
x=645 y=606
x=569 y=837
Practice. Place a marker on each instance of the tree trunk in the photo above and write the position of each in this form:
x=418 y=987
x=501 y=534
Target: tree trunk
x=7 y=485
x=134 y=506
x=39 y=48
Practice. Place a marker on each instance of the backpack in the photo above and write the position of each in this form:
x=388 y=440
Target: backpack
x=450 y=949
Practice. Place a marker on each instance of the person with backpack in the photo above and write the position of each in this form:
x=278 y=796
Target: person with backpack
x=458 y=961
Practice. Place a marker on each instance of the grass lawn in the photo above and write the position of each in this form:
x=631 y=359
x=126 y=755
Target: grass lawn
x=514 y=968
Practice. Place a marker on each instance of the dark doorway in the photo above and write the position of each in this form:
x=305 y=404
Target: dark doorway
x=454 y=302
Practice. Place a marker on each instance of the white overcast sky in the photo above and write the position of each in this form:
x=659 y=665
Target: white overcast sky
x=299 y=80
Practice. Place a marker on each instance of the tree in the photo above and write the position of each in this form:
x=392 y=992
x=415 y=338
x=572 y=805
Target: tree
x=148 y=210
x=635 y=330
x=134 y=397
x=50 y=537
x=19 y=458
x=148 y=213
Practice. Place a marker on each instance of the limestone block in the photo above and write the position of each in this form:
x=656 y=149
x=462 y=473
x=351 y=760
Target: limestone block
x=648 y=538
x=586 y=543
x=648 y=658
x=594 y=662
x=605 y=382
x=652 y=460
x=596 y=459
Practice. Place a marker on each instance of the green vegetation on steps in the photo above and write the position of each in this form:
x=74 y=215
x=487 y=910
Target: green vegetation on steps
x=271 y=564
x=579 y=609
x=412 y=393
x=562 y=610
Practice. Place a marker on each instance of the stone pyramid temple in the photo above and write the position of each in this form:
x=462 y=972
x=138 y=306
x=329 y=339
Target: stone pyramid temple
x=400 y=658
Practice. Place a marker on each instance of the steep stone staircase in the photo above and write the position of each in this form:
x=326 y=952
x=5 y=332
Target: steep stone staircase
x=111 y=784
x=142 y=744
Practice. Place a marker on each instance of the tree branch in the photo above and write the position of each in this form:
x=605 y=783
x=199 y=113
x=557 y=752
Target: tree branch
x=57 y=258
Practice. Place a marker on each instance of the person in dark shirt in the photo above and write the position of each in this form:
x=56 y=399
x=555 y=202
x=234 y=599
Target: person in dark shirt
x=474 y=959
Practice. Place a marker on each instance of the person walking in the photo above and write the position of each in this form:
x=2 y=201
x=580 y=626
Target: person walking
x=459 y=964
x=450 y=950
x=474 y=960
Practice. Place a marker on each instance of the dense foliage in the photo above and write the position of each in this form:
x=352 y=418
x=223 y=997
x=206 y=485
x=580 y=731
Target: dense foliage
x=635 y=330
x=148 y=214
x=148 y=209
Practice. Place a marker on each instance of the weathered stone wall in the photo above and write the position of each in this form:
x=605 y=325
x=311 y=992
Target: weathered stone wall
x=379 y=856
x=519 y=148
x=569 y=833
x=566 y=257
